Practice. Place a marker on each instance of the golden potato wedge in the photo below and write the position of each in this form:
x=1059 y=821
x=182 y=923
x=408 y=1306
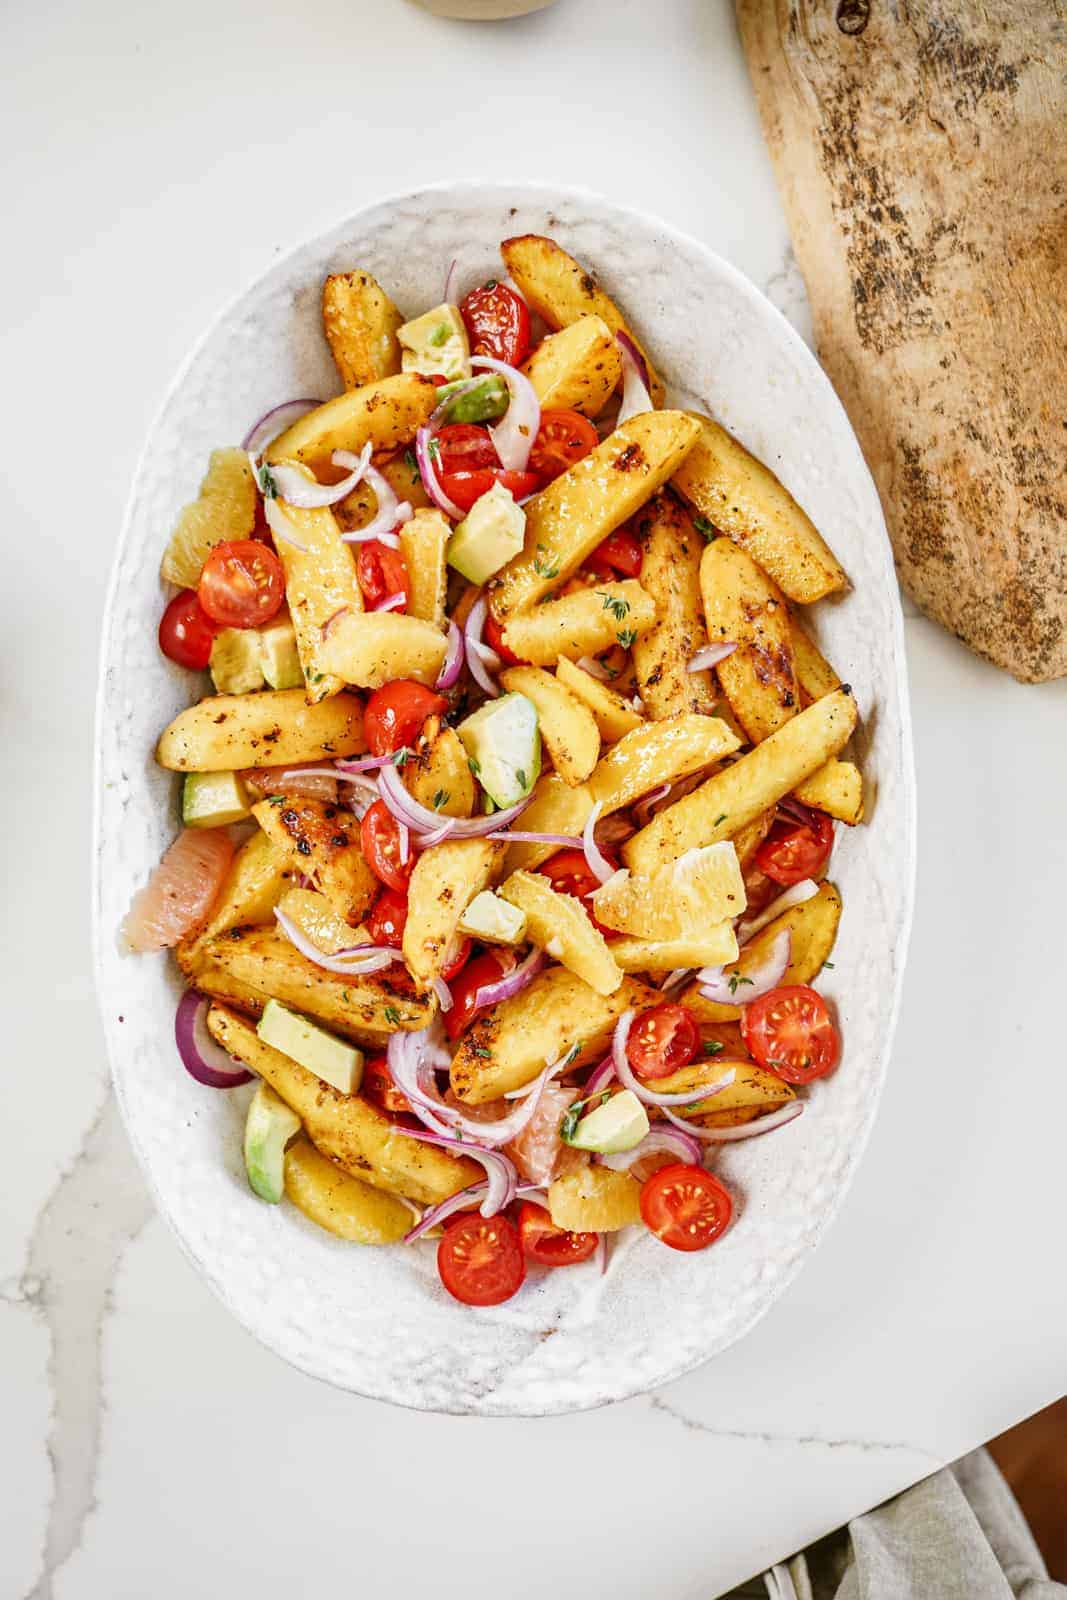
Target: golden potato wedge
x=670 y=571
x=592 y=1199
x=340 y=1203
x=712 y=947
x=737 y=794
x=321 y=841
x=424 y=544
x=743 y=499
x=658 y=753
x=837 y=789
x=508 y=1045
x=577 y=368
x=753 y=1089
x=560 y=290
x=560 y=925
x=748 y=839
x=255 y=883
x=813 y=928
x=360 y=323
x=360 y=507
x=568 y=727
x=224 y=509
x=249 y=966
x=446 y=878
x=320 y=582
x=680 y=900
x=276 y=728
x=814 y=673
x=570 y=517
x=373 y=647
x=743 y=606
x=386 y=414
x=613 y=715
x=345 y=1127
x=581 y=624
x=439 y=777
x=317 y=920
x=554 y=808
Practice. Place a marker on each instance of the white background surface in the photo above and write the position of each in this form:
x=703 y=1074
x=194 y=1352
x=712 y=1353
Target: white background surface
x=155 y=161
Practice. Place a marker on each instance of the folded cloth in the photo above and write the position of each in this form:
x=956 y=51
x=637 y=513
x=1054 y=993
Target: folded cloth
x=956 y=1536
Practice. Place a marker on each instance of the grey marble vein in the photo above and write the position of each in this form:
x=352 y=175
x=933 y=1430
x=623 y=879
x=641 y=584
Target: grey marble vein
x=760 y=1436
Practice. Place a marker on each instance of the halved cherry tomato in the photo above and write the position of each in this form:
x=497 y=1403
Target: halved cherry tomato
x=497 y=322
x=662 y=1041
x=385 y=924
x=487 y=968
x=186 y=632
x=548 y=1245
x=621 y=552
x=458 y=962
x=381 y=572
x=396 y=712
x=563 y=438
x=795 y=850
x=480 y=1260
x=790 y=1032
x=493 y=634
x=379 y=1088
x=379 y=840
x=463 y=447
x=467 y=487
x=685 y=1207
x=242 y=584
x=570 y=873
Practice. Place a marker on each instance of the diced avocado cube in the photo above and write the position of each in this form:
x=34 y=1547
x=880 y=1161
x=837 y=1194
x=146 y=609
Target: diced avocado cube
x=503 y=741
x=213 y=799
x=333 y=1060
x=493 y=531
x=278 y=658
x=483 y=400
x=235 y=665
x=618 y=1124
x=436 y=342
x=269 y=1127
x=493 y=920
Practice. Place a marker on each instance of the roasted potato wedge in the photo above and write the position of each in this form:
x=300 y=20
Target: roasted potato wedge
x=224 y=509
x=813 y=927
x=321 y=841
x=345 y=1127
x=373 y=647
x=424 y=546
x=360 y=323
x=753 y=1089
x=508 y=1045
x=445 y=880
x=748 y=839
x=439 y=777
x=592 y=1199
x=320 y=581
x=577 y=368
x=712 y=947
x=387 y=414
x=560 y=290
x=554 y=808
x=340 y=1203
x=681 y=900
x=670 y=571
x=560 y=925
x=742 y=605
x=614 y=716
x=318 y=921
x=401 y=472
x=581 y=624
x=276 y=728
x=258 y=877
x=737 y=794
x=567 y=725
x=837 y=789
x=570 y=517
x=814 y=673
x=658 y=753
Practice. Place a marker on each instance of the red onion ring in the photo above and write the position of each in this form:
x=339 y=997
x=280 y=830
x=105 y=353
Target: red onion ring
x=635 y=395
x=597 y=862
x=367 y=535
x=600 y=1077
x=500 y=1170
x=295 y=489
x=481 y=660
x=730 y=991
x=595 y=668
x=643 y=808
x=428 y=474
x=356 y=962
x=201 y=1057
x=505 y=988
x=455 y=656
x=443 y=993
x=518 y=836
x=514 y=435
x=273 y=423
x=627 y=1078
x=676 y=1142
x=422 y=820
x=439 y=415
x=806 y=889
x=403 y=843
x=392 y=602
x=711 y=655
x=426 y=841
x=411 y=1059
x=445 y=1209
x=280 y=526
x=366 y=763
x=391 y=511
x=789 y=806
x=744 y=1130
x=600 y=1254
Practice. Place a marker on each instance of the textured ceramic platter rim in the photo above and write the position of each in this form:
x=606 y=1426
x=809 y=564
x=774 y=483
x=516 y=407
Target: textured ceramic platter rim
x=376 y=1321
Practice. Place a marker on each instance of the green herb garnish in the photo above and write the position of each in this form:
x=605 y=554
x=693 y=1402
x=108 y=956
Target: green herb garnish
x=402 y=756
x=627 y=637
x=712 y=1047
x=613 y=603
x=736 y=981
x=542 y=567
x=265 y=482
x=440 y=799
x=411 y=460
x=702 y=525
x=392 y=1016
x=721 y=817
x=573 y=1114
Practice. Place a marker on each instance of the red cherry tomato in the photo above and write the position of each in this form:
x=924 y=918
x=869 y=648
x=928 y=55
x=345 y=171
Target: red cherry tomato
x=387 y=918
x=563 y=438
x=242 y=584
x=619 y=552
x=379 y=840
x=487 y=968
x=458 y=962
x=662 y=1041
x=480 y=1260
x=685 y=1207
x=570 y=873
x=381 y=572
x=395 y=714
x=379 y=1088
x=795 y=850
x=790 y=1032
x=466 y=487
x=493 y=635
x=186 y=632
x=498 y=322
x=464 y=447
x=548 y=1245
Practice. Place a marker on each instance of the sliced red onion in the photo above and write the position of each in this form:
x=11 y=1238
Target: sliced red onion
x=516 y=431
x=292 y=485
x=280 y=526
x=422 y=820
x=499 y=1169
x=439 y=416
x=683 y=1146
x=614 y=829
x=411 y=1059
x=368 y=535
x=504 y=1129
x=366 y=763
x=599 y=1258
x=403 y=843
x=428 y=474
x=635 y=395
x=202 y=1058
x=392 y=602
x=391 y=511
x=673 y=979
x=356 y=962
x=735 y=990
x=744 y=1130
x=274 y=422
x=450 y=282
x=519 y=836
x=490 y=994
x=482 y=662
x=789 y=806
x=806 y=889
x=333 y=619
x=711 y=655
x=447 y=1208
x=600 y=1077
x=597 y=862
x=643 y=808
x=595 y=668
x=455 y=655
x=426 y=841
x=443 y=993
x=629 y=1080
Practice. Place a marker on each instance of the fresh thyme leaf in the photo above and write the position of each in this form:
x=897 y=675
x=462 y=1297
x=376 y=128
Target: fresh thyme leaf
x=615 y=604
x=702 y=525
x=627 y=637
x=474 y=765
x=401 y=756
x=440 y=799
x=736 y=982
x=520 y=774
x=542 y=567
x=480 y=1050
x=573 y=1114
x=277 y=799
x=392 y=1016
x=721 y=817
x=411 y=460
x=827 y=964
x=712 y=1047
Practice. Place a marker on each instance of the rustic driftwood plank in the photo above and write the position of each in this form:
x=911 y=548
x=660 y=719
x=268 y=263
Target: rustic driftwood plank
x=921 y=152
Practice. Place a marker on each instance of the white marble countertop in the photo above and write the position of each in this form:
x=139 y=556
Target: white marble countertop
x=154 y=164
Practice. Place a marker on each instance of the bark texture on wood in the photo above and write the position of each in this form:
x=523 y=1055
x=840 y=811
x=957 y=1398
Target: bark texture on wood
x=921 y=151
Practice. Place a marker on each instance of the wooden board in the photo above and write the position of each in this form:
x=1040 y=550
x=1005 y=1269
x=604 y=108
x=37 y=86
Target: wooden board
x=921 y=152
